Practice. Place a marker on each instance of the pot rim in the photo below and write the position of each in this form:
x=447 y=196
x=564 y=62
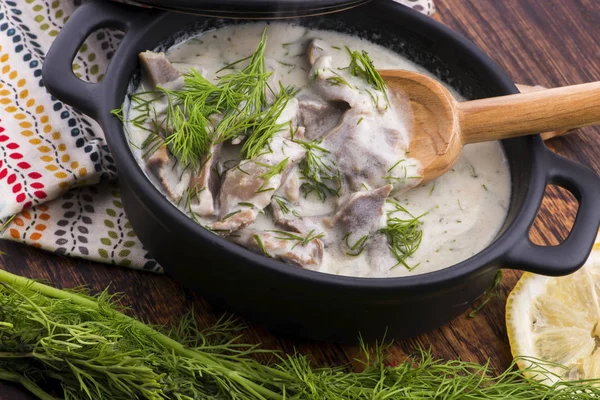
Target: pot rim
x=130 y=172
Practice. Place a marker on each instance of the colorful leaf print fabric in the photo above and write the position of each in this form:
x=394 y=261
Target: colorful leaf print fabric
x=57 y=178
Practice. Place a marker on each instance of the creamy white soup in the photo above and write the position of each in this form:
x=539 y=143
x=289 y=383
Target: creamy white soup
x=284 y=140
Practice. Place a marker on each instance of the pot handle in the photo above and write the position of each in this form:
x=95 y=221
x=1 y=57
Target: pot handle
x=572 y=253
x=57 y=71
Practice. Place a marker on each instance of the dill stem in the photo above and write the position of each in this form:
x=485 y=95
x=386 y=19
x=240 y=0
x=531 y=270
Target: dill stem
x=17 y=355
x=27 y=384
x=226 y=368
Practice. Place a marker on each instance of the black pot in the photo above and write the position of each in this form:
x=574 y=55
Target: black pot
x=306 y=303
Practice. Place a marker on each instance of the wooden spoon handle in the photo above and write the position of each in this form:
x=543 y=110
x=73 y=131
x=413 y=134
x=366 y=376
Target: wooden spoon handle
x=522 y=114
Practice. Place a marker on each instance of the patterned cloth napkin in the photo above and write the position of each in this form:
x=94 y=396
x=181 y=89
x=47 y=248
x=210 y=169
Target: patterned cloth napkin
x=57 y=178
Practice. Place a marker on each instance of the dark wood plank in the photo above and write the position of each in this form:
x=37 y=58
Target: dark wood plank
x=547 y=42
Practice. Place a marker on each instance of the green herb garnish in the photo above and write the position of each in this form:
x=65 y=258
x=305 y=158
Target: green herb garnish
x=473 y=172
x=187 y=132
x=282 y=202
x=358 y=247
x=203 y=113
x=361 y=66
x=404 y=234
x=337 y=80
x=300 y=240
x=319 y=174
x=272 y=170
x=265 y=125
x=261 y=245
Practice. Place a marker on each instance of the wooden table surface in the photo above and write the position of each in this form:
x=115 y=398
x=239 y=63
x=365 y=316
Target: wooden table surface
x=546 y=42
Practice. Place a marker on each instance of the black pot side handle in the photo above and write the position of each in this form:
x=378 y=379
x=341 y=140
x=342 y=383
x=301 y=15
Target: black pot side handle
x=57 y=71
x=572 y=253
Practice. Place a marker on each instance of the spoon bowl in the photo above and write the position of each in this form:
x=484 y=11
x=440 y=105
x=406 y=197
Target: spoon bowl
x=441 y=125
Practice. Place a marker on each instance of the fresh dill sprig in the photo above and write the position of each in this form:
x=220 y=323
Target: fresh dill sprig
x=318 y=173
x=187 y=131
x=88 y=349
x=361 y=66
x=300 y=240
x=251 y=85
x=265 y=126
x=404 y=234
x=65 y=344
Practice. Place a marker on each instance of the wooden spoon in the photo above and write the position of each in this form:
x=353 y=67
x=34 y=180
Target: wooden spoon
x=442 y=125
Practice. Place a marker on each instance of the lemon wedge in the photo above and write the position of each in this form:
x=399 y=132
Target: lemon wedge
x=557 y=320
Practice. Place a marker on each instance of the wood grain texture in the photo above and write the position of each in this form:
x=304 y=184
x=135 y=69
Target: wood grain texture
x=546 y=42
x=505 y=117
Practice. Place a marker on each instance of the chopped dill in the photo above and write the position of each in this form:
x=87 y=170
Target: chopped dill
x=337 y=80
x=231 y=214
x=300 y=240
x=395 y=165
x=286 y=64
x=359 y=121
x=282 y=202
x=392 y=179
x=485 y=187
x=404 y=234
x=246 y=204
x=193 y=193
x=118 y=112
x=260 y=244
x=473 y=172
x=432 y=188
x=361 y=66
x=239 y=167
x=272 y=170
x=318 y=173
x=358 y=247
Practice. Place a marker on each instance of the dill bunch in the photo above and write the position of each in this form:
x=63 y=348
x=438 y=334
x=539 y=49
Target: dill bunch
x=68 y=344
